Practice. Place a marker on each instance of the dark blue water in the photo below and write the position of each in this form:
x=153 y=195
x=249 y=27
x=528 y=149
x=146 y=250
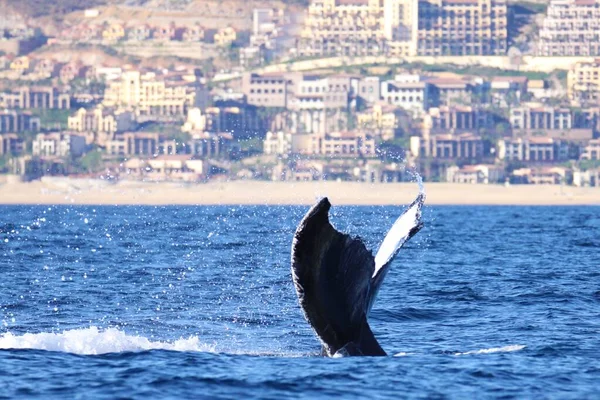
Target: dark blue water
x=172 y=302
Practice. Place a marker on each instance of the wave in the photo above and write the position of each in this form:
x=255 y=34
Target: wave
x=94 y=341
x=505 y=349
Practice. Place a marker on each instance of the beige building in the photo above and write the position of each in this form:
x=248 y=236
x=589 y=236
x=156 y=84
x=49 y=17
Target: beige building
x=571 y=28
x=482 y=173
x=149 y=94
x=466 y=146
x=341 y=144
x=35 y=97
x=462 y=27
x=359 y=27
x=533 y=149
x=225 y=36
x=134 y=144
x=583 y=82
x=101 y=120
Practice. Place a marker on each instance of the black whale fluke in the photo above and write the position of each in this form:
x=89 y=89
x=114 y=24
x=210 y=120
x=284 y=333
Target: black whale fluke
x=337 y=279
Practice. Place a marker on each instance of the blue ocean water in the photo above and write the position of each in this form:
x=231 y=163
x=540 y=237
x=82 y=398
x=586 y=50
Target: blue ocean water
x=197 y=302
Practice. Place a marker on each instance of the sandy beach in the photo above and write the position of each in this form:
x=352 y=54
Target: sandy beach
x=99 y=192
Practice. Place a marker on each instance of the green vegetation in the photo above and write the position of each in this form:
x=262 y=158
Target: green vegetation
x=91 y=161
x=52 y=118
x=4 y=162
x=529 y=7
x=585 y=165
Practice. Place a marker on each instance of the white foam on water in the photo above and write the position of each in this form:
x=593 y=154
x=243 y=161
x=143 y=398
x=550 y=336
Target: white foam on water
x=505 y=349
x=93 y=341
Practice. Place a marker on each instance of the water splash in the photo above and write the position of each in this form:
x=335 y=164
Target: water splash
x=505 y=349
x=93 y=341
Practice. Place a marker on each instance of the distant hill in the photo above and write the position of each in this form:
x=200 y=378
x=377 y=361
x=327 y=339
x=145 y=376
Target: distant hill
x=51 y=8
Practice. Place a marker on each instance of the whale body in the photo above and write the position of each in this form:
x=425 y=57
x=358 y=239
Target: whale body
x=337 y=278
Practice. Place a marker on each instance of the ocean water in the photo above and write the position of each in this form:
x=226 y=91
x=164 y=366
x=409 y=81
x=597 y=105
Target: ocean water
x=197 y=302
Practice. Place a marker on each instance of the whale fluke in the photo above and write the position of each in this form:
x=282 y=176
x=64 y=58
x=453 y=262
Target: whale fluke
x=337 y=278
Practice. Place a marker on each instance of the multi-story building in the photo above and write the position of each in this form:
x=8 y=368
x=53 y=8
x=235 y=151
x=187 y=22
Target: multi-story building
x=359 y=27
x=462 y=27
x=532 y=118
x=342 y=144
x=134 y=144
x=583 y=82
x=459 y=119
x=408 y=92
x=475 y=174
x=571 y=28
x=35 y=97
x=12 y=121
x=591 y=150
x=58 y=145
x=11 y=144
x=269 y=90
x=466 y=146
x=101 y=119
x=149 y=94
x=533 y=149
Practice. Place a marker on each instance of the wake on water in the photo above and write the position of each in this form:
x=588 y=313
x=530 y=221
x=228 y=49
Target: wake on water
x=94 y=341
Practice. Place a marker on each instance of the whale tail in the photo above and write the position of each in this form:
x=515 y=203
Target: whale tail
x=336 y=280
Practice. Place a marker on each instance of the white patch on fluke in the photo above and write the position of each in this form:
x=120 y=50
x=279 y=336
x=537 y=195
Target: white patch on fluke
x=396 y=236
x=505 y=349
x=93 y=341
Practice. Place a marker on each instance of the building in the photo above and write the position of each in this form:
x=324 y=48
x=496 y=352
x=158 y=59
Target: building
x=539 y=176
x=194 y=33
x=466 y=146
x=208 y=145
x=571 y=28
x=583 y=82
x=150 y=95
x=10 y=144
x=359 y=28
x=139 y=33
x=35 y=97
x=462 y=27
x=113 y=33
x=408 y=92
x=383 y=120
x=277 y=143
x=533 y=149
x=459 y=119
x=269 y=90
x=12 y=121
x=539 y=118
x=225 y=36
x=58 y=145
x=134 y=144
x=101 y=119
x=484 y=174
x=590 y=177
x=339 y=144
x=592 y=150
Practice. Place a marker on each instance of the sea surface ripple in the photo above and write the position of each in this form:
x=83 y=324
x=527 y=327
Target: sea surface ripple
x=197 y=302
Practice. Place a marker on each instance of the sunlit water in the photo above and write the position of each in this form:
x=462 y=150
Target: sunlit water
x=197 y=302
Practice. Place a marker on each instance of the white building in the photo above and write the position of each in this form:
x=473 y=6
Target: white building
x=58 y=145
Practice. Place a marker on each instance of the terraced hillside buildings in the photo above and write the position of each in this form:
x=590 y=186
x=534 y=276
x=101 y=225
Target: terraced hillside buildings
x=571 y=28
x=462 y=27
x=404 y=28
x=359 y=27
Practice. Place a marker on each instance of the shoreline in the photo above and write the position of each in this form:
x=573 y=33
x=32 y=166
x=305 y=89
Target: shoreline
x=67 y=191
